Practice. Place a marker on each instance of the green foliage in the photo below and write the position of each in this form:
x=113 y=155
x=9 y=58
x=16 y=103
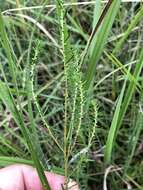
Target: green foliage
x=7 y=98
x=101 y=38
x=59 y=66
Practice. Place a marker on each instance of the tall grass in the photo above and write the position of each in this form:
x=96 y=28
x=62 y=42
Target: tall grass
x=121 y=108
x=100 y=37
x=8 y=99
x=57 y=73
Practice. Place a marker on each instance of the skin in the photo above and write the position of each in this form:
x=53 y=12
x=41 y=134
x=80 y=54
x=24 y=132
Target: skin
x=23 y=177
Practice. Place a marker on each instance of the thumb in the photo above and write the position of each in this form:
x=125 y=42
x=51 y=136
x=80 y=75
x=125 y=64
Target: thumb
x=23 y=177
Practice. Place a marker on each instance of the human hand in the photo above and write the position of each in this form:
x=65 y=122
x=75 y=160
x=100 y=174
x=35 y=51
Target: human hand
x=23 y=177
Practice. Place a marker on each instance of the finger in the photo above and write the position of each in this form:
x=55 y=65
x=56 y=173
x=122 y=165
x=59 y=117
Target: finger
x=55 y=181
x=22 y=177
x=11 y=178
x=32 y=181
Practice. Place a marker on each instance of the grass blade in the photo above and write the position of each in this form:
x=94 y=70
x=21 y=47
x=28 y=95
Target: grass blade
x=102 y=35
x=5 y=160
x=96 y=16
x=131 y=89
x=133 y=140
x=7 y=98
x=133 y=23
x=113 y=128
x=121 y=109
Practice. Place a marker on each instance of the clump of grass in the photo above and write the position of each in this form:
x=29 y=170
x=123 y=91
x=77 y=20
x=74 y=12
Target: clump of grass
x=8 y=99
x=57 y=84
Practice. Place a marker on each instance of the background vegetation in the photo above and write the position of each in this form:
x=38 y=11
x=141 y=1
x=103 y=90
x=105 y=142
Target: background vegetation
x=71 y=90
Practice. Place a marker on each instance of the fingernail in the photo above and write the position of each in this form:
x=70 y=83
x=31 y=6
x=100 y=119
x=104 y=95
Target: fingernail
x=72 y=185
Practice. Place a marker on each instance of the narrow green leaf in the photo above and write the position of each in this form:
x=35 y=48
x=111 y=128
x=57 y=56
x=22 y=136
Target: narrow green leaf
x=5 y=160
x=113 y=128
x=102 y=35
x=133 y=23
x=131 y=89
x=9 y=102
x=96 y=16
x=7 y=98
x=134 y=139
x=121 y=109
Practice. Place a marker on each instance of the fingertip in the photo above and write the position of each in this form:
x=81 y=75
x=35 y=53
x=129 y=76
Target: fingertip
x=72 y=185
x=55 y=181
